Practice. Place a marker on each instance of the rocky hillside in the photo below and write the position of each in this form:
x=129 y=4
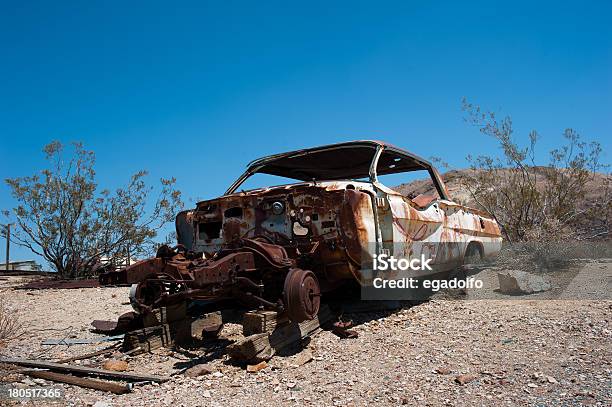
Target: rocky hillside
x=595 y=193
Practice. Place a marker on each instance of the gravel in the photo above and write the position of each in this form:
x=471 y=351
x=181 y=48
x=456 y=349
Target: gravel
x=442 y=352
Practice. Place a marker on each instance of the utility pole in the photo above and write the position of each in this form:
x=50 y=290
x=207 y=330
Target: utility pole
x=8 y=246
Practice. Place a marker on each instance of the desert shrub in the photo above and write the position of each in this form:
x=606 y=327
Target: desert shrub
x=63 y=216
x=534 y=202
x=10 y=327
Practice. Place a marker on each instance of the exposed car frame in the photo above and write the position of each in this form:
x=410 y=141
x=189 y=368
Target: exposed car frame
x=284 y=246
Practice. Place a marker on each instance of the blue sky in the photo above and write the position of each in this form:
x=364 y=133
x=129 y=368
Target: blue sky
x=196 y=91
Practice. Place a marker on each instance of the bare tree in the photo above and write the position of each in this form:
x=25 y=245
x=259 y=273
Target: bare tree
x=63 y=217
x=530 y=201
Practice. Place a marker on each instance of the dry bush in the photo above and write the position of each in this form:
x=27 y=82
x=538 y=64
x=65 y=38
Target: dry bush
x=534 y=202
x=63 y=215
x=10 y=326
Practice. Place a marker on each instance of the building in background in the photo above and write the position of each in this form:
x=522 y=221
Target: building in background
x=26 y=265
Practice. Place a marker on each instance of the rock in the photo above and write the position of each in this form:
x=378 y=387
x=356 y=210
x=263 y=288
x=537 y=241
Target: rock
x=206 y=393
x=101 y=403
x=198 y=370
x=116 y=365
x=465 y=378
x=256 y=368
x=443 y=370
x=304 y=357
x=521 y=282
x=28 y=382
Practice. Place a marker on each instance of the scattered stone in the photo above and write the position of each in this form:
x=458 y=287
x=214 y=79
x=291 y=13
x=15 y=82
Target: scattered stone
x=198 y=370
x=520 y=282
x=116 y=365
x=465 y=378
x=304 y=357
x=256 y=368
x=443 y=370
x=101 y=403
x=405 y=360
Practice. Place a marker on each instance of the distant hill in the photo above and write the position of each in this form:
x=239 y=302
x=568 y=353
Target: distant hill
x=595 y=192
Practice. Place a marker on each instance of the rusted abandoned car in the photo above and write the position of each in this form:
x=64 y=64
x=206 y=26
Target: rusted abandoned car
x=282 y=247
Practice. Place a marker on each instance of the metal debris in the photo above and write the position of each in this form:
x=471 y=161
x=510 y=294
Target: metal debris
x=342 y=329
x=81 y=341
x=48 y=283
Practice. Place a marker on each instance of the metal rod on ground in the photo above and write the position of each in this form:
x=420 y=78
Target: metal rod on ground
x=90 y=355
x=103 y=385
x=43 y=364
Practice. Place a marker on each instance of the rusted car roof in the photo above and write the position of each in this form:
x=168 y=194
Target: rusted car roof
x=336 y=161
x=342 y=161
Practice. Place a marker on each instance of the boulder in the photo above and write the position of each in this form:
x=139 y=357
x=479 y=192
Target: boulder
x=521 y=282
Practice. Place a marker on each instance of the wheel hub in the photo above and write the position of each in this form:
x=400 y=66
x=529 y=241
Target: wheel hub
x=302 y=295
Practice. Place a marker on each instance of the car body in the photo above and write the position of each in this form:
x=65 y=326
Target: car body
x=330 y=220
x=340 y=203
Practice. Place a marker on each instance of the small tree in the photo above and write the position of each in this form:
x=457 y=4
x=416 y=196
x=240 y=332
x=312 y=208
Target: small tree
x=532 y=202
x=62 y=216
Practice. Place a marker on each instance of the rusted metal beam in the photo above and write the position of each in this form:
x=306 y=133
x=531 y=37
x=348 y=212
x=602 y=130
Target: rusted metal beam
x=43 y=364
x=80 y=381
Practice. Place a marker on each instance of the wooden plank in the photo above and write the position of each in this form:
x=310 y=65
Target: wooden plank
x=263 y=346
x=165 y=315
x=252 y=348
x=43 y=364
x=256 y=322
x=148 y=338
x=167 y=335
x=79 y=381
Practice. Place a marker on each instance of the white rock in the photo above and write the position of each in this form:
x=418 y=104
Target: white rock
x=521 y=282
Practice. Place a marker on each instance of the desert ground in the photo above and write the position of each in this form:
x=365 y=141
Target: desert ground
x=522 y=350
